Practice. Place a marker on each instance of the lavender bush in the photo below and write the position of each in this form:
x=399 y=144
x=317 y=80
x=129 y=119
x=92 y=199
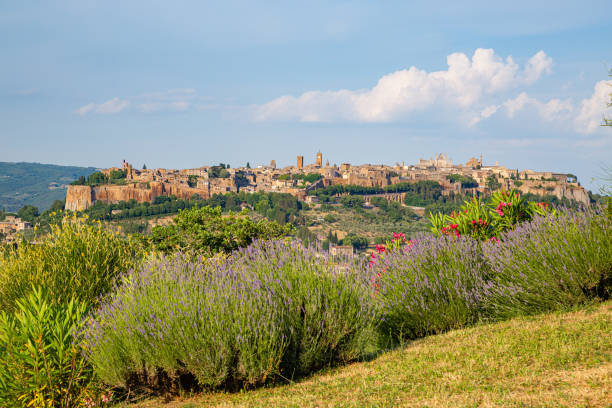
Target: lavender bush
x=552 y=262
x=272 y=309
x=430 y=285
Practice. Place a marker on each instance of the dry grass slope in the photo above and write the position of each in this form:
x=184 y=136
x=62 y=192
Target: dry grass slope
x=555 y=360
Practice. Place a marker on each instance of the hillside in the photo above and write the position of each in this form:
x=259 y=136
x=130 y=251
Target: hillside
x=560 y=359
x=35 y=184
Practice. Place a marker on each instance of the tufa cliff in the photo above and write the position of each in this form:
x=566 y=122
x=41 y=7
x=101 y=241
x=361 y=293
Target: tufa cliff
x=82 y=197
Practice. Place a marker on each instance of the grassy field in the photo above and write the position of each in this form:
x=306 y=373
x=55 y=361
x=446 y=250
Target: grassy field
x=555 y=360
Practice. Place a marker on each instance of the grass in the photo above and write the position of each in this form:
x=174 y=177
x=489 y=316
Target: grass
x=552 y=360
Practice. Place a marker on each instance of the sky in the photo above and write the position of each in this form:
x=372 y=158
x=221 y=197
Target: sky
x=183 y=84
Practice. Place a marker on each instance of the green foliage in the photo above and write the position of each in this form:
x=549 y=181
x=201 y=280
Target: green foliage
x=41 y=364
x=274 y=310
x=307 y=178
x=492 y=183
x=35 y=184
x=466 y=181
x=504 y=210
x=205 y=230
x=98 y=178
x=218 y=171
x=28 y=213
x=77 y=259
x=192 y=181
x=330 y=218
x=356 y=241
x=426 y=189
x=57 y=206
x=556 y=261
x=428 y=286
x=350 y=201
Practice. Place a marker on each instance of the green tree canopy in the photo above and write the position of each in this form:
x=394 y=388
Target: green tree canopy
x=28 y=213
x=205 y=231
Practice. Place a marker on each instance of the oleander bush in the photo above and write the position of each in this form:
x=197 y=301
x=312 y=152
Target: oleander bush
x=272 y=310
x=77 y=258
x=41 y=364
x=553 y=262
x=503 y=211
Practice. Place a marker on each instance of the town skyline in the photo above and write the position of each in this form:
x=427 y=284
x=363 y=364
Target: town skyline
x=178 y=85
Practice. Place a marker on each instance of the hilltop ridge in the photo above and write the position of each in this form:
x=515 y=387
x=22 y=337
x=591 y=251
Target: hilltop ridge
x=115 y=184
x=35 y=183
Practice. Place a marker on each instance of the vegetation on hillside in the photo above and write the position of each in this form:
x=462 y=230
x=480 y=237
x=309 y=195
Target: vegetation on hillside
x=556 y=359
x=35 y=184
x=98 y=178
x=249 y=311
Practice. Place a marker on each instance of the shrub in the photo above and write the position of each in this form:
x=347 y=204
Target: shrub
x=428 y=285
x=40 y=358
x=553 y=262
x=505 y=210
x=330 y=218
x=273 y=309
x=77 y=259
x=205 y=231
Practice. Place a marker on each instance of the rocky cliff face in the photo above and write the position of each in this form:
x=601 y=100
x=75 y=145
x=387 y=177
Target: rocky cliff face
x=570 y=191
x=80 y=198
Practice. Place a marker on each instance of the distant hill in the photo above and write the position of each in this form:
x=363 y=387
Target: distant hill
x=36 y=184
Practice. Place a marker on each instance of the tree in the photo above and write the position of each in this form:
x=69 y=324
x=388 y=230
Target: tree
x=492 y=183
x=28 y=213
x=192 y=180
x=356 y=241
x=248 y=166
x=144 y=166
x=351 y=201
x=57 y=206
x=206 y=231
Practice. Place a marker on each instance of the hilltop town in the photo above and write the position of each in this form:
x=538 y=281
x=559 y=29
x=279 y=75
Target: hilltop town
x=473 y=177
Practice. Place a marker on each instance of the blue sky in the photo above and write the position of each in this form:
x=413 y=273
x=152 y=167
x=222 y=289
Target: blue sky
x=182 y=84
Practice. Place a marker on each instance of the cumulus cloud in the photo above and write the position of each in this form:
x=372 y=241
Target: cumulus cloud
x=536 y=66
x=169 y=100
x=584 y=117
x=553 y=110
x=593 y=109
x=462 y=86
x=114 y=105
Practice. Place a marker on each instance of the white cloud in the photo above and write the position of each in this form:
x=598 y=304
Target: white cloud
x=593 y=109
x=553 y=110
x=114 y=105
x=170 y=100
x=463 y=85
x=536 y=66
